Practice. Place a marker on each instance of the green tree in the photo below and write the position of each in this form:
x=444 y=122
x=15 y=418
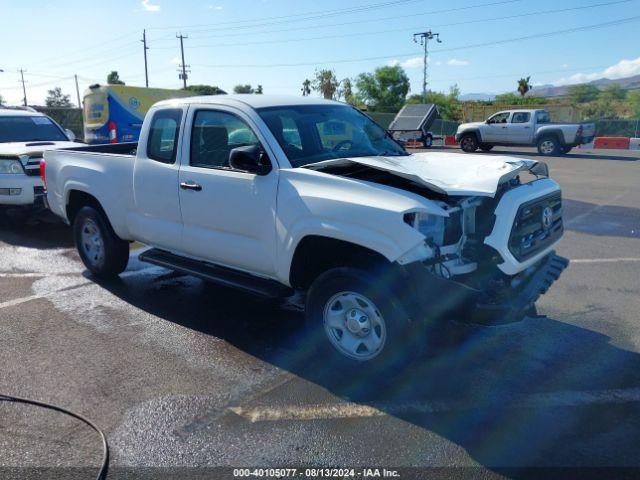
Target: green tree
x=57 y=99
x=326 y=84
x=114 y=79
x=347 y=92
x=306 y=88
x=524 y=86
x=448 y=105
x=1 y=100
x=259 y=90
x=385 y=88
x=514 y=99
x=613 y=92
x=582 y=93
x=243 y=89
x=634 y=103
x=205 y=90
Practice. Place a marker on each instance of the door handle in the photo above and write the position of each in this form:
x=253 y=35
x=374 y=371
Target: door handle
x=190 y=186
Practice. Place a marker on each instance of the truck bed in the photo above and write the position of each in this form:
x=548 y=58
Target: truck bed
x=129 y=148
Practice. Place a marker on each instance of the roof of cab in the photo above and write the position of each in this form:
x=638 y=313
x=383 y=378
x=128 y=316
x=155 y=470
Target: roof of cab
x=16 y=112
x=251 y=100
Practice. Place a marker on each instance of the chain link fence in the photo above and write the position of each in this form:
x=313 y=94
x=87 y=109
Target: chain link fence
x=617 y=128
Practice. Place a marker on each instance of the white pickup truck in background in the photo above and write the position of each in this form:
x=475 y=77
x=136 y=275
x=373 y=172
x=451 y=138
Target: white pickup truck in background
x=280 y=194
x=24 y=136
x=524 y=128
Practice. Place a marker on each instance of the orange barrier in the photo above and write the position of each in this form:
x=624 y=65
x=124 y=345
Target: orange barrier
x=413 y=144
x=450 y=140
x=615 y=143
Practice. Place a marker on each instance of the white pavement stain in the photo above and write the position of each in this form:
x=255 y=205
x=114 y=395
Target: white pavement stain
x=353 y=410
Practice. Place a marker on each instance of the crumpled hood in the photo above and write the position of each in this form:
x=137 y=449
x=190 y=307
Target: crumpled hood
x=452 y=173
x=20 y=148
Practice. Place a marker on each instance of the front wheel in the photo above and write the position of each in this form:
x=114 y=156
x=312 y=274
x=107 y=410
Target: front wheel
x=103 y=253
x=469 y=143
x=354 y=321
x=427 y=141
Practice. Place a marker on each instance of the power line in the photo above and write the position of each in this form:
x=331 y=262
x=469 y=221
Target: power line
x=378 y=32
x=405 y=54
x=298 y=17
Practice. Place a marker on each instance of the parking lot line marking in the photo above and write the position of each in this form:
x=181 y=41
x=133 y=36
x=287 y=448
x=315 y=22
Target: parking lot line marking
x=354 y=410
x=606 y=260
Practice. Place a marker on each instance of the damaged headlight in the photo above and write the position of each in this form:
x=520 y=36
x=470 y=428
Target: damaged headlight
x=431 y=226
x=10 y=166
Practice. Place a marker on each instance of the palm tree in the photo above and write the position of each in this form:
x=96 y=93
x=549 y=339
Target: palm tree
x=306 y=87
x=524 y=86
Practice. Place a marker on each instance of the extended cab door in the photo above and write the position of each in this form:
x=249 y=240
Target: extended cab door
x=228 y=215
x=156 y=218
x=495 y=129
x=520 y=128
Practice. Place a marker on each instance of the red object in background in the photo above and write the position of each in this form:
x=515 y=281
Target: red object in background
x=615 y=143
x=450 y=140
x=413 y=144
x=113 y=133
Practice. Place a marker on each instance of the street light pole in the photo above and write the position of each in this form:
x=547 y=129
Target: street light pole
x=424 y=41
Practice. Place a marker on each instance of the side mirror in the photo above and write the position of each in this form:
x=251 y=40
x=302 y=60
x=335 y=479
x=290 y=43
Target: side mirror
x=70 y=135
x=250 y=159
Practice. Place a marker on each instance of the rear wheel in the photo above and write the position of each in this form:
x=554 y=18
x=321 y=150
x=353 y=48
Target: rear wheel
x=469 y=143
x=548 y=146
x=485 y=147
x=103 y=253
x=354 y=321
x=427 y=141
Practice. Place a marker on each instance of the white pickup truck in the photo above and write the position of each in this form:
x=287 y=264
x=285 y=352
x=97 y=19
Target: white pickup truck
x=24 y=136
x=524 y=128
x=280 y=194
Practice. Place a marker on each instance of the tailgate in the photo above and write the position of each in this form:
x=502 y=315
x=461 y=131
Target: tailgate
x=588 y=130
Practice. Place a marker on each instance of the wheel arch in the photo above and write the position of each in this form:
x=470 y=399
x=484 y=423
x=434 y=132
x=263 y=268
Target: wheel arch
x=315 y=254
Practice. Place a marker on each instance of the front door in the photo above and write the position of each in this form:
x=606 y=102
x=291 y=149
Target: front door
x=496 y=128
x=228 y=215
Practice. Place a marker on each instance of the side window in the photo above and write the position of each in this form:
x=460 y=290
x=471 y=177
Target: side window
x=521 y=117
x=163 y=135
x=499 y=118
x=213 y=136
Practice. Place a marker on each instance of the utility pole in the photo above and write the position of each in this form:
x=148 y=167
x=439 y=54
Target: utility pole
x=146 y=71
x=24 y=89
x=424 y=40
x=78 y=91
x=183 y=76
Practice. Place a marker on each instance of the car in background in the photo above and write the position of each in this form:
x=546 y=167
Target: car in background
x=524 y=128
x=25 y=134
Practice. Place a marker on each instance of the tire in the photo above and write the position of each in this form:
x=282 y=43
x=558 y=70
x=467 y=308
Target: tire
x=103 y=253
x=427 y=142
x=485 y=147
x=469 y=143
x=548 y=146
x=353 y=321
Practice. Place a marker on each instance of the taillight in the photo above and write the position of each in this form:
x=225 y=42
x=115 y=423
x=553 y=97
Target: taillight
x=113 y=133
x=43 y=172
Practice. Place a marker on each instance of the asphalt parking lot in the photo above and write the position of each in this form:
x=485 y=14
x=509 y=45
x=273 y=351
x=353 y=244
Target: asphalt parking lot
x=180 y=373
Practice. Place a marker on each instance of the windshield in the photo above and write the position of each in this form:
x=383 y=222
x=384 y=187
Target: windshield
x=314 y=133
x=29 y=129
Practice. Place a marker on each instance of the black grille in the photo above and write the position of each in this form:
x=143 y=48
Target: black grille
x=529 y=234
x=32 y=168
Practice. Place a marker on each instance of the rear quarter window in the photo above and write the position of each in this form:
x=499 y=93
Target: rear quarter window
x=164 y=130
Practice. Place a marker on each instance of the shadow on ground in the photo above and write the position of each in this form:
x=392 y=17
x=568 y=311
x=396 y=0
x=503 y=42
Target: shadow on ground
x=43 y=230
x=484 y=374
x=605 y=220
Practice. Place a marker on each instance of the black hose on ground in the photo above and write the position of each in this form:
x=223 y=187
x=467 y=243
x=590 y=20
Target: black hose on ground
x=102 y=474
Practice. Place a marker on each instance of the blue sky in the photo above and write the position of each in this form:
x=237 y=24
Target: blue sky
x=279 y=43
